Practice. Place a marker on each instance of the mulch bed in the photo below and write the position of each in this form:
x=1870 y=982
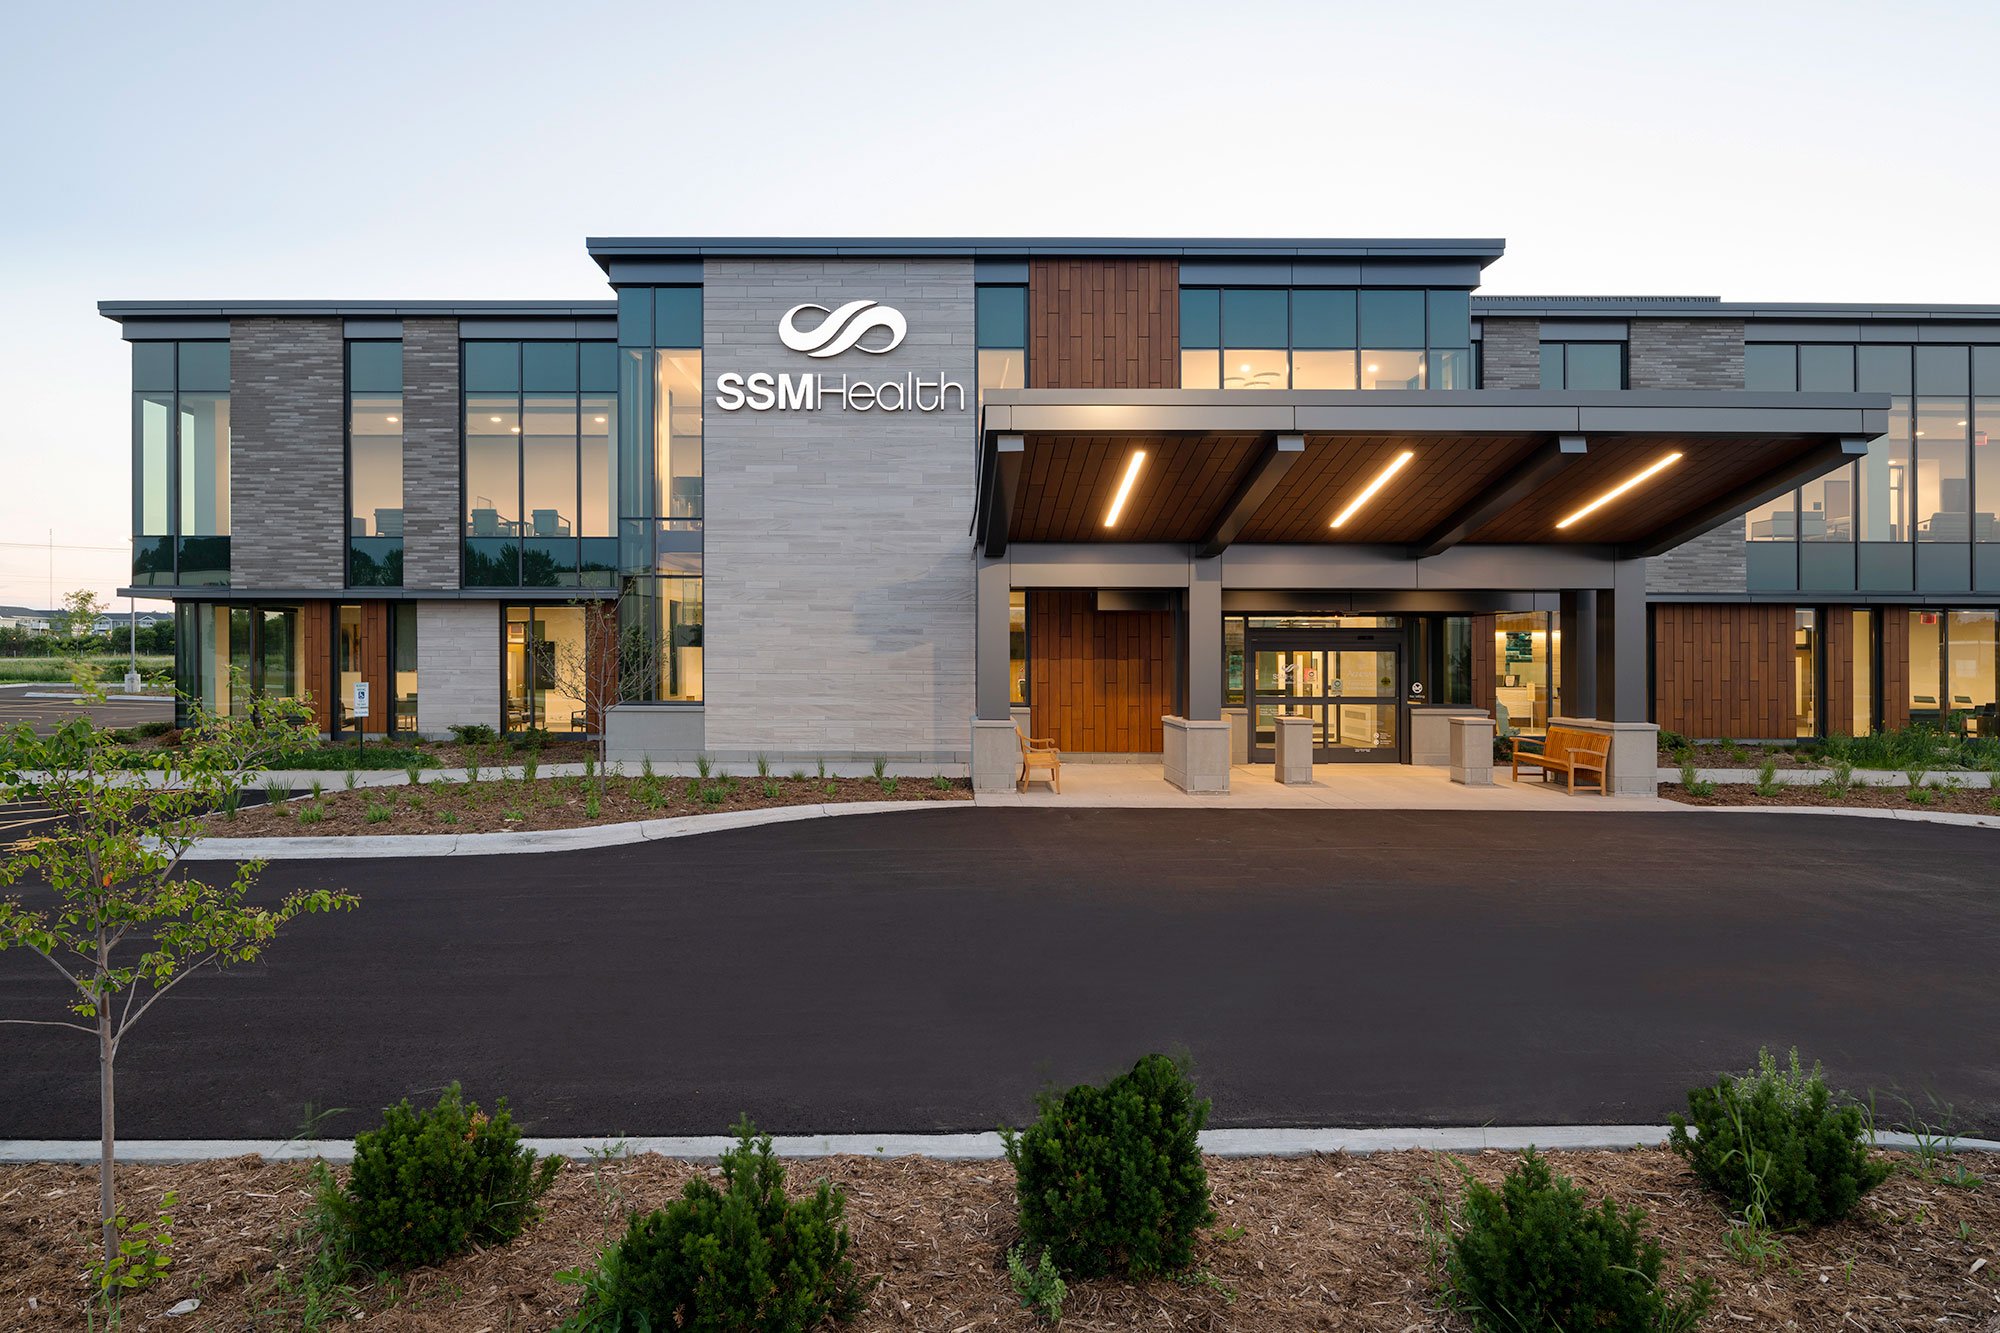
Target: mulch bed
x=494 y=805
x=1965 y=801
x=1300 y=1243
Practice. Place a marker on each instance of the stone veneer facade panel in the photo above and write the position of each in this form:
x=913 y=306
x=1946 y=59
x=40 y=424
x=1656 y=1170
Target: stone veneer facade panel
x=1510 y=353
x=838 y=601
x=1692 y=354
x=431 y=405
x=287 y=454
x=458 y=665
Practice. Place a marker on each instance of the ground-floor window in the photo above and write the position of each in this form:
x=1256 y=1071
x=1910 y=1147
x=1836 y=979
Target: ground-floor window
x=1955 y=670
x=1862 y=673
x=1527 y=669
x=230 y=654
x=376 y=643
x=544 y=666
x=1805 y=670
x=1017 y=647
x=660 y=639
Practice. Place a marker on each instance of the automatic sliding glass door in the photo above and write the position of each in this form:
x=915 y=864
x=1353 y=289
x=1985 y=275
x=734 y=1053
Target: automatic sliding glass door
x=1349 y=685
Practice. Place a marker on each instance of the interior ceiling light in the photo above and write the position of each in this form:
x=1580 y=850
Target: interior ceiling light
x=1621 y=488
x=1396 y=464
x=1125 y=486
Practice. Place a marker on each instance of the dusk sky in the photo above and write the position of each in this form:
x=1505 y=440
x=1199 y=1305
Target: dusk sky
x=1800 y=151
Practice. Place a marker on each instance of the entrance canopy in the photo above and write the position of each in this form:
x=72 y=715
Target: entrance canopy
x=1634 y=472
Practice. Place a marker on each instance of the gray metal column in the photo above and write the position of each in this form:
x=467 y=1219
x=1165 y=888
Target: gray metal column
x=1204 y=639
x=1577 y=619
x=990 y=692
x=1622 y=657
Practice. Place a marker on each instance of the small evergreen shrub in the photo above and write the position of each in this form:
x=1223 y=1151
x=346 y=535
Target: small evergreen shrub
x=433 y=1183
x=1535 y=1255
x=1778 y=1141
x=1110 y=1179
x=474 y=733
x=742 y=1257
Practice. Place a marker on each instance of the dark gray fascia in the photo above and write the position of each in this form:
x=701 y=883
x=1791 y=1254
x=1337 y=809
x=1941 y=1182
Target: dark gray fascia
x=123 y=311
x=608 y=249
x=1714 y=307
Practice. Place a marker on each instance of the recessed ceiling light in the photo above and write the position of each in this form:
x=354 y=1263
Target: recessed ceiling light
x=1125 y=486
x=1243 y=369
x=494 y=420
x=600 y=419
x=1373 y=369
x=1396 y=464
x=515 y=429
x=393 y=420
x=1621 y=488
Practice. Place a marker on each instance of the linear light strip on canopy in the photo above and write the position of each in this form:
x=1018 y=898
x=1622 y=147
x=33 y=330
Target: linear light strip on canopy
x=1125 y=487
x=1636 y=479
x=1396 y=464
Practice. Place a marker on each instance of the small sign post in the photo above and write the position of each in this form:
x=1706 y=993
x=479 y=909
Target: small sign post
x=358 y=710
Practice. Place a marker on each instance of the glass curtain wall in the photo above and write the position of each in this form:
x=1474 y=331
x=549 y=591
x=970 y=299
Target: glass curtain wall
x=375 y=464
x=540 y=485
x=659 y=466
x=230 y=655
x=1862 y=706
x=1325 y=338
x=1000 y=322
x=544 y=658
x=1805 y=671
x=180 y=464
x=1527 y=669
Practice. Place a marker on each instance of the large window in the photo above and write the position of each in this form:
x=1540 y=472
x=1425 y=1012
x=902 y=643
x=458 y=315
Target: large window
x=377 y=644
x=545 y=658
x=661 y=495
x=540 y=486
x=228 y=655
x=1324 y=338
x=375 y=464
x=1527 y=669
x=180 y=464
x=1000 y=320
x=1954 y=670
x=1805 y=670
x=1583 y=365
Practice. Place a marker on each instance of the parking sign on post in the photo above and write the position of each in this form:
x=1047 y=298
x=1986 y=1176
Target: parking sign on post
x=358 y=710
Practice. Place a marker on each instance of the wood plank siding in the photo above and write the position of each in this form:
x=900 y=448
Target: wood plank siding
x=1098 y=681
x=316 y=659
x=1104 y=324
x=1895 y=690
x=1724 y=670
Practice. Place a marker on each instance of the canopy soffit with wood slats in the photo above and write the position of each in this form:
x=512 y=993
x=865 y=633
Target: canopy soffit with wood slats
x=1487 y=466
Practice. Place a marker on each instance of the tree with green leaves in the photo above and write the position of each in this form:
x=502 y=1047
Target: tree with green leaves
x=79 y=615
x=113 y=907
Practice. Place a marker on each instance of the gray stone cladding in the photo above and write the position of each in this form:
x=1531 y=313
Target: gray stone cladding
x=839 y=597
x=430 y=454
x=1510 y=353
x=287 y=454
x=1692 y=354
x=458 y=665
x=1685 y=354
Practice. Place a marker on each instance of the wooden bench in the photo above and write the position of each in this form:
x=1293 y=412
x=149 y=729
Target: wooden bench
x=1566 y=750
x=1039 y=753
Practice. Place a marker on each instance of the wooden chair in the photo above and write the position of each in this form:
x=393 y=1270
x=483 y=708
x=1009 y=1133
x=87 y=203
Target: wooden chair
x=1042 y=754
x=1566 y=750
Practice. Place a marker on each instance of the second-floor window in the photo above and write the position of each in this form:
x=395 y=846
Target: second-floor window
x=1000 y=318
x=1325 y=338
x=375 y=464
x=180 y=464
x=1583 y=365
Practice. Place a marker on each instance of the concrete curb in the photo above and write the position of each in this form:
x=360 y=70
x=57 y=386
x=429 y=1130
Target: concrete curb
x=544 y=840
x=1858 y=812
x=1971 y=779
x=942 y=1147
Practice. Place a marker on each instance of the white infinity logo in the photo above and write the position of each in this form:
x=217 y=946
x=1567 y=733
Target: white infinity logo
x=843 y=328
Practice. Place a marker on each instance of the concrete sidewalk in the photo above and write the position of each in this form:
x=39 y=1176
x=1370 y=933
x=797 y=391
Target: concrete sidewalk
x=1334 y=786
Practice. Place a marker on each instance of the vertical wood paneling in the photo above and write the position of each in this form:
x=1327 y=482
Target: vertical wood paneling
x=1099 y=681
x=1724 y=671
x=375 y=668
x=1104 y=324
x=1837 y=709
x=316 y=660
x=1895 y=666
x=1484 y=668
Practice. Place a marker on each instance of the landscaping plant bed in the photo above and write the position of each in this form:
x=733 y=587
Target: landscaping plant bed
x=1329 y=1242
x=505 y=805
x=1962 y=801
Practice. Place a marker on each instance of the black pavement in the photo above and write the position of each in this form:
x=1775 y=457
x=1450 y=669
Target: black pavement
x=930 y=971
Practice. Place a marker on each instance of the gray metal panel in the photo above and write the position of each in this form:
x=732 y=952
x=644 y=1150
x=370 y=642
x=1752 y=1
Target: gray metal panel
x=654 y=272
x=1886 y=567
x=1944 y=567
x=1708 y=307
x=123 y=310
x=1321 y=273
x=164 y=330
x=1825 y=566
x=1958 y=333
x=1771 y=566
x=1782 y=332
x=607 y=250
x=1986 y=566
x=537 y=328
x=1420 y=275
x=1889 y=333
x=1248 y=273
x=374 y=328
x=1585 y=330
x=1107 y=564
x=1527 y=568
x=1000 y=270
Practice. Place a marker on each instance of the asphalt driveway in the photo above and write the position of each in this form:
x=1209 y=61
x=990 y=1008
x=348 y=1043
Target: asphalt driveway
x=930 y=971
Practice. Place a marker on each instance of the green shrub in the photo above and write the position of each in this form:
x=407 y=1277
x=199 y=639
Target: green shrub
x=474 y=733
x=1040 y=1288
x=430 y=1184
x=743 y=1257
x=1534 y=1255
x=1767 y=778
x=152 y=729
x=1110 y=1179
x=1779 y=1141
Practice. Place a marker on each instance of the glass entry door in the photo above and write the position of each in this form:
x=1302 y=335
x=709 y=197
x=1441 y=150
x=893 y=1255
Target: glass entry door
x=1348 y=684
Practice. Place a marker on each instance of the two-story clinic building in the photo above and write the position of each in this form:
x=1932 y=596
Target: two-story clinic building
x=857 y=498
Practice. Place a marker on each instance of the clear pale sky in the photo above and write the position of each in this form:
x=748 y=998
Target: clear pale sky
x=1799 y=151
